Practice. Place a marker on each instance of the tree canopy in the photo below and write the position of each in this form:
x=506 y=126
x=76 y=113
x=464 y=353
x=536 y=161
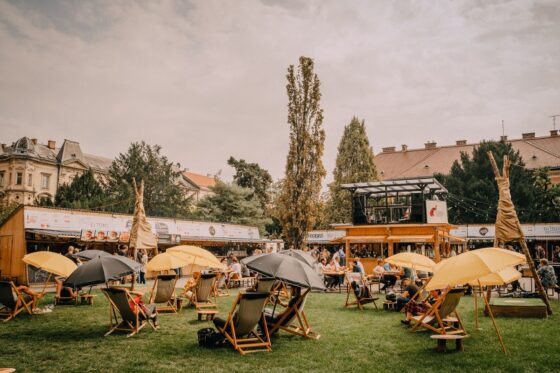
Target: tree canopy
x=84 y=192
x=473 y=193
x=252 y=176
x=354 y=163
x=162 y=194
x=304 y=167
x=232 y=203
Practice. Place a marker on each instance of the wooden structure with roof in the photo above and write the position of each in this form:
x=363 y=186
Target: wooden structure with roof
x=394 y=212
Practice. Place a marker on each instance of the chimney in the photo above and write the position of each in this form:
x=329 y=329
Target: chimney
x=404 y=147
x=34 y=141
x=430 y=145
x=528 y=136
x=51 y=144
x=553 y=133
x=461 y=142
x=3 y=146
x=503 y=138
x=389 y=149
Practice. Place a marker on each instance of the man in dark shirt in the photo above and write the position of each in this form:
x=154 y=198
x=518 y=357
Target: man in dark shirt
x=407 y=294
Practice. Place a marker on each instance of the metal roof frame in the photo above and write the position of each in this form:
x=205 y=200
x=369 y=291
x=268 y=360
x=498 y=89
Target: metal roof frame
x=425 y=185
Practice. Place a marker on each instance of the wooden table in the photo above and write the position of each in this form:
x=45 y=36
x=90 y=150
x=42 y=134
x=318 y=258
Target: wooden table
x=336 y=274
x=209 y=314
x=443 y=338
x=87 y=298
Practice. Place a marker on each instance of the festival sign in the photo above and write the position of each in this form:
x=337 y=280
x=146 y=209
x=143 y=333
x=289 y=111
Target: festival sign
x=436 y=212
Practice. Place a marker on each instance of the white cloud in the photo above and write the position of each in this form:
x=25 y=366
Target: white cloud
x=206 y=79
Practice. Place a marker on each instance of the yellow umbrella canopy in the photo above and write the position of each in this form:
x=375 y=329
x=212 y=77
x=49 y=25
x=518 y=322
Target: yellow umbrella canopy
x=502 y=277
x=471 y=266
x=51 y=262
x=198 y=256
x=167 y=261
x=412 y=260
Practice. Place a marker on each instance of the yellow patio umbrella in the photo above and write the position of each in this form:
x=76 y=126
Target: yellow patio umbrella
x=412 y=260
x=472 y=266
x=198 y=256
x=168 y=261
x=53 y=263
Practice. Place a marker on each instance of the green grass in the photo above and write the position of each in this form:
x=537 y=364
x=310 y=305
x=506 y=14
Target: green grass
x=71 y=339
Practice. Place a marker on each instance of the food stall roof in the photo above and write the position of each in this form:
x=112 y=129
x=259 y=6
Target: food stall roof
x=400 y=186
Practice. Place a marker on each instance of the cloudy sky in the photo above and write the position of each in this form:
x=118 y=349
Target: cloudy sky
x=206 y=79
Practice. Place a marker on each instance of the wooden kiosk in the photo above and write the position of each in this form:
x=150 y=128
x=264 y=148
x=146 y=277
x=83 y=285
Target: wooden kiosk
x=395 y=212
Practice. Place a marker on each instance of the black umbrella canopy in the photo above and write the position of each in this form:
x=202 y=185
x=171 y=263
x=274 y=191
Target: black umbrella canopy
x=286 y=268
x=102 y=269
x=91 y=254
x=300 y=255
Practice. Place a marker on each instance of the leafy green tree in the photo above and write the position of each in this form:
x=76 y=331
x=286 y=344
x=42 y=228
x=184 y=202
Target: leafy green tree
x=304 y=167
x=7 y=208
x=84 y=192
x=274 y=228
x=473 y=193
x=162 y=194
x=231 y=203
x=546 y=207
x=354 y=163
x=251 y=175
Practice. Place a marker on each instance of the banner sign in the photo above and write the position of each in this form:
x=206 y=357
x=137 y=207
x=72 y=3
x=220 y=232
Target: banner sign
x=436 y=212
x=324 y=236
x=488 y=231
x=109 y=227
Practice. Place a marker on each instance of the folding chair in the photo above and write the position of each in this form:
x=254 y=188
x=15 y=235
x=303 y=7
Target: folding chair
x=293 y=319
x=132 y=317
x=64 y=295
x=239 y=327
x=13 y=301
x=439 y=317
x=361 y=292
x=203 y=296
x=163 y=292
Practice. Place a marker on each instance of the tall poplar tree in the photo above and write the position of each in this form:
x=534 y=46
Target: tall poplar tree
x=304 y=168
x=354 y=163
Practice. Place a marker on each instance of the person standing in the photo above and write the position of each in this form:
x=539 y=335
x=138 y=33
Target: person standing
x=342 y=256
x=143 y=261
x=547 y=275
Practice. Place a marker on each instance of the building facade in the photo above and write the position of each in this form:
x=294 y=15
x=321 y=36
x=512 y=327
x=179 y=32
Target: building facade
x=537 y=152
x=30 y=171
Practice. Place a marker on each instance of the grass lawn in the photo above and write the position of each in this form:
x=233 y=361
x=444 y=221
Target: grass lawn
x=71 y=339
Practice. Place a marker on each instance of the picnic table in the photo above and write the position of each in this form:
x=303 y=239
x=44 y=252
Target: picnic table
x=336 y=274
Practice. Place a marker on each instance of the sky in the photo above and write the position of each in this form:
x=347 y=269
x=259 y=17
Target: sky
x=206 y=79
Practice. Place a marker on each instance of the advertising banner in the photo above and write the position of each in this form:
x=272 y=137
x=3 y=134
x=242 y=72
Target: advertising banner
x=436 y=212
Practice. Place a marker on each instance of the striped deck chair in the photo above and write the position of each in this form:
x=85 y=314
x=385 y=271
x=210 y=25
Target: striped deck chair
x=439 y=317
x=264 y=284
x=13 y=302
x=292 y=319
x=163 y=293
x=358 y=289
x=131 y=320
x=239 y=327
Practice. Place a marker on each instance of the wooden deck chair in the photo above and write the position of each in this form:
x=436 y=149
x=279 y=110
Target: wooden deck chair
x=64 y=295
x=439 y=317
x=203 y=297
x=359 y=297
x=221 y=288
x=131 y=320
x=264 y=284
x=239 y=327
x=293 y=319
x=163 y=293
x=13 y=302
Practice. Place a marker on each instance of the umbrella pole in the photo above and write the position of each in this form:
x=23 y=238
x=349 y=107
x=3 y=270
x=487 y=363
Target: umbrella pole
x=494 y=323
x=45 y=286
x=476 y=310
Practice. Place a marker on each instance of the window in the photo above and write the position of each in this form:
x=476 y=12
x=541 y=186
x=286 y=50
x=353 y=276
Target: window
x=19 y=178
x=45 y=181
x=30 y=180
x=2 y=173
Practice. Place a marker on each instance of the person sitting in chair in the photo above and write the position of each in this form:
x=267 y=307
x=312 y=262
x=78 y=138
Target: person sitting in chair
x=415 y=308
x=148 y=309
x=547 y=275
x=407 y=294
x=64 y=291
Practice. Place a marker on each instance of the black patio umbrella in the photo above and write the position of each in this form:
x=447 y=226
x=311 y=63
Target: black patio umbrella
x=301 y=255
x=91 y=254
x=102 y=269
x=286 y=268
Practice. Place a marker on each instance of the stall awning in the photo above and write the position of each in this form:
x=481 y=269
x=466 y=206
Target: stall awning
x=453 y=238
x=53 y=233
x=412 y=239
x=361 y=239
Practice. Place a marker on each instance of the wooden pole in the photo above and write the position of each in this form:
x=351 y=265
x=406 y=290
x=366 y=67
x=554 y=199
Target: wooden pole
x=494 y=322
x=521 y=239
x=475 y=310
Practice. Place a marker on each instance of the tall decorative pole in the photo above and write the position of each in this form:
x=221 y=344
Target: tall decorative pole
x=508 y=227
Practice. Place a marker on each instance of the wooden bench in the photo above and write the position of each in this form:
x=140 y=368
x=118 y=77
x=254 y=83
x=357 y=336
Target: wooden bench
x=389 y=305
x=443 y=338
x=87 y=298
x=207 y=313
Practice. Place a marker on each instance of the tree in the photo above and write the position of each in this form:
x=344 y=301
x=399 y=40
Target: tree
x=7 y=208
x=251 y=175
x=546 y=205
x=473 y=194
x=274 y=228
x=232 y=203
x=162 y=195
x=354 y=163
x=304 y=167
x=84 y=192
